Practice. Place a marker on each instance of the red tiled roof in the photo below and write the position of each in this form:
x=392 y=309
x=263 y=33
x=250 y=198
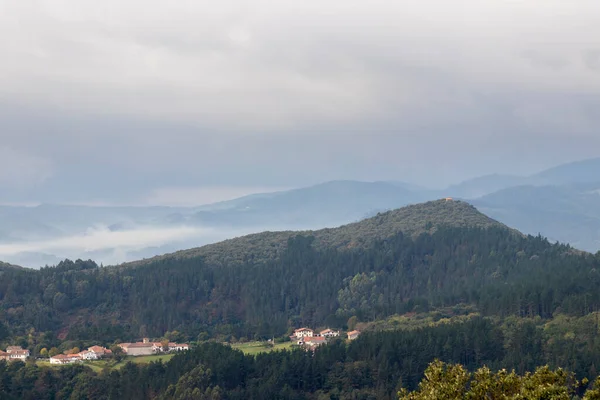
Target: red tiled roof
x=326 y=331
x=97 y=349
x=353 y=333
x=315 y=339
x=303 y=329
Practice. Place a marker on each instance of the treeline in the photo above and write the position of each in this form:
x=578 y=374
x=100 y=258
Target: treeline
x=499 y=272
x=375 y=366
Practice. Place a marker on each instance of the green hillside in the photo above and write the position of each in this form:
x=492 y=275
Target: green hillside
x=435 y=280
x=411 y=220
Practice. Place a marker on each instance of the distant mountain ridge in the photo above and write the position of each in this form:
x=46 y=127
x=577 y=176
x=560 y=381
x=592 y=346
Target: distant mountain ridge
x=565 y=213
x=557 y=203
x=585 y=171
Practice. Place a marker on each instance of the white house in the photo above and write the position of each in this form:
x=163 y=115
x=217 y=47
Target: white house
x=17 y=353
x=304 y=332
x=60 y=359
x=65 y=358
x=88 y=355
x=98 y=352
x=157 y=347
x=178 y=346
x=328 y=333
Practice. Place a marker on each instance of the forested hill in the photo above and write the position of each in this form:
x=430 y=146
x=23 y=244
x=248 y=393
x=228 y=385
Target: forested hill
x=438 y=254
x=412 y=221
x=4 y=265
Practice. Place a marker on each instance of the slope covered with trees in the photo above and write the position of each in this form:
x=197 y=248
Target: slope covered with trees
x=432 y=255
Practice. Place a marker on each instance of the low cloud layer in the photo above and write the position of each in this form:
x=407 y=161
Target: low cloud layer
x=102 y=239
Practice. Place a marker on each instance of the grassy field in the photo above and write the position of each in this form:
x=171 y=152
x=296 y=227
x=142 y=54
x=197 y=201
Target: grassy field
x=101 y=364
x=260 y=347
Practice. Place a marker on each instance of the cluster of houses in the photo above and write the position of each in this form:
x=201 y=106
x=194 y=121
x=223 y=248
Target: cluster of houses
x=310 y=339
x=144 y=348
x=14 y=353
x=148 y=348
x=92 y=353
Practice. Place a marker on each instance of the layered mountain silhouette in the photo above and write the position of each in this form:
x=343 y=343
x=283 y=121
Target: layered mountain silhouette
x=561 y=203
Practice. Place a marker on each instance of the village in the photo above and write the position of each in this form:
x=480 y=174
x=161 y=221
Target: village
x=310 y=339
x=143 y=348
x=307 y=338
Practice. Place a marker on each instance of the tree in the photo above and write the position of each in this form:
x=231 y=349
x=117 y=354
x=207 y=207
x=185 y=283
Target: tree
x=352 y=321
x=453 y=382
x=44 y=352
x=53 y=352
x=117 y=352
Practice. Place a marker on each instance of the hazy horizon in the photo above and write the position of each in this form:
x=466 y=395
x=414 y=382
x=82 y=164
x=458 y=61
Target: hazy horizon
x=131 y=102
x=152 y=103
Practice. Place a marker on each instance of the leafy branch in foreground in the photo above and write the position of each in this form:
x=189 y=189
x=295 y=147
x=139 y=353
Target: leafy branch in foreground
x=454 y=382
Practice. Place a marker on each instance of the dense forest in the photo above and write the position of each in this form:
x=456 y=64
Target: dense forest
x=378 y=365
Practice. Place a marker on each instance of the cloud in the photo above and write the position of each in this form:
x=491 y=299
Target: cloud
x=276 y=64
x=125 y=97
x=20 y=169
x=98 y=239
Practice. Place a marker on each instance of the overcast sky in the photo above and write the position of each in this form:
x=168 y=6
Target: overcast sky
x=168 y=102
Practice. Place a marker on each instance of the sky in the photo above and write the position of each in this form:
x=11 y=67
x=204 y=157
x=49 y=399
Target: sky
x=191 y=102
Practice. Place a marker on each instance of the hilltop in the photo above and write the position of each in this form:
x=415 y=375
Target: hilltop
x=411 y=220
x=7 y=265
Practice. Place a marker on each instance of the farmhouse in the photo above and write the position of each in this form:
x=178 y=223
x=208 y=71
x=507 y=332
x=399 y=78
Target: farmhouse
x=147 y=348
x=304 y=332
x=138 y=349
x=65 y=358
x=17 y=353
x=98 y=352
x=313 y=342
x=353 y=335
x=157 y=347
x=88 y=355
x=4 y=356
x=329 y=333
